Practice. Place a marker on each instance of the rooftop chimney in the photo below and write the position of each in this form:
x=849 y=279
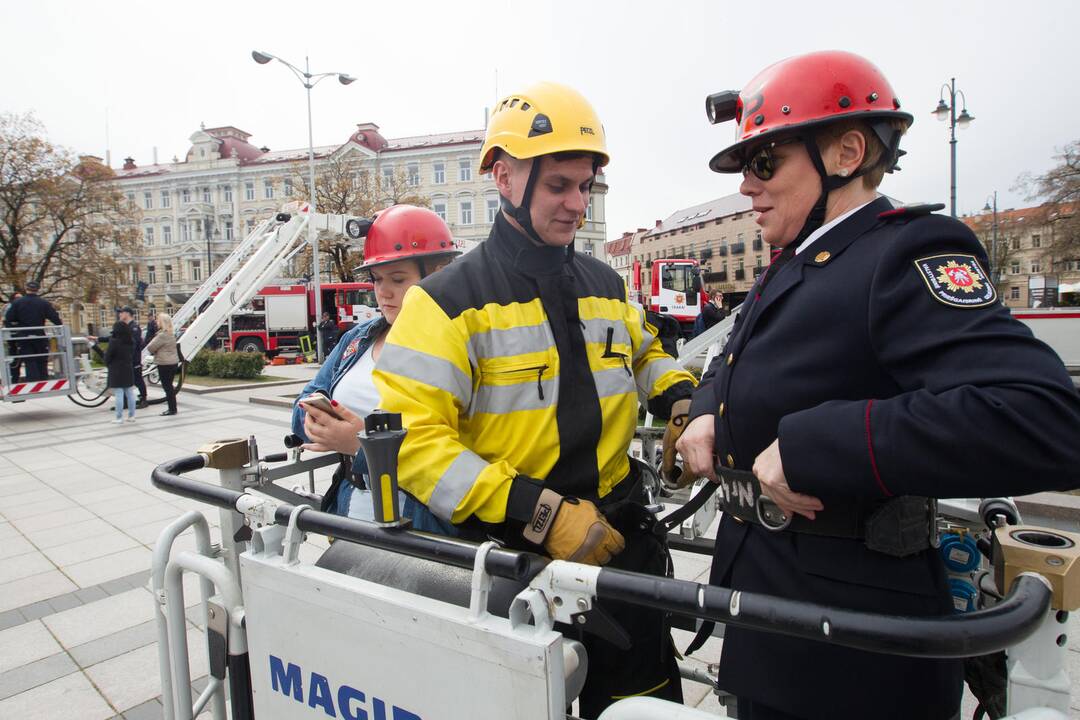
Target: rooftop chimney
x=155 y=155
x=129 y=163
x=659 y=223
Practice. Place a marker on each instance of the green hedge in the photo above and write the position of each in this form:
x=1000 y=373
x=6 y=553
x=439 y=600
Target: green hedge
x=227 y=364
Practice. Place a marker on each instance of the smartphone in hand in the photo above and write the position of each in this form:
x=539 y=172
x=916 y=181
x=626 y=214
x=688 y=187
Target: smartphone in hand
x=320 y=401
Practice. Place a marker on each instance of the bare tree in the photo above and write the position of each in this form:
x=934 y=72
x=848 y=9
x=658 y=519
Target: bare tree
x=64 y=223
x=1059 y=189
x=346 y=186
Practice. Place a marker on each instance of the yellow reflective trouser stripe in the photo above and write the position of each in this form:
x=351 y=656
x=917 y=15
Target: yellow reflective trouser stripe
x=650 y=691
x=387 y=498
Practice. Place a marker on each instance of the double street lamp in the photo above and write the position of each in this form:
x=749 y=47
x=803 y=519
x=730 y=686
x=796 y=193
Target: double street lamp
x=309 y=80
x=947 y=111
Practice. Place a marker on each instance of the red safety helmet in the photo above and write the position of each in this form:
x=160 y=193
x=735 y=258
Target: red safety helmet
x=406 y=232
x=804 y=92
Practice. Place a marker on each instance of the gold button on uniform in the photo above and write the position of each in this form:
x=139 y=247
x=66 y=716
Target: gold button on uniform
x=822 y=257
x=730 y=461
x=731 y=358
x=720 y=411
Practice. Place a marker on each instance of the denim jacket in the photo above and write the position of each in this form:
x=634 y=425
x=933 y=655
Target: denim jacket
x=350 y=348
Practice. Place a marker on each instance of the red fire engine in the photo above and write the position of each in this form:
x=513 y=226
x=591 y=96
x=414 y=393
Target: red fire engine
x=279 y=315
x=676 y=290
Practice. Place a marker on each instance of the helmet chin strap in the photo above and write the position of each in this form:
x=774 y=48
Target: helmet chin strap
x=521 y=213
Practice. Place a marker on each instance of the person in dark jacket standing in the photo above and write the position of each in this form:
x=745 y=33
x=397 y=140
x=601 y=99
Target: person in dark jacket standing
x=30 y=311
x=872 y=368
x=121 y=378
x=127 y=316
x=151 y=328
x=329 y=332
x=713 y=312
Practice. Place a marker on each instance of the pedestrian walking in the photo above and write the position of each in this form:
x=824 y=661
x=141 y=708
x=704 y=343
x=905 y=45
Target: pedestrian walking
x=166 y=357
x=328 y=331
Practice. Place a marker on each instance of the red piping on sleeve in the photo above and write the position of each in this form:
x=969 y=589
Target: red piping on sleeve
x=870 y=448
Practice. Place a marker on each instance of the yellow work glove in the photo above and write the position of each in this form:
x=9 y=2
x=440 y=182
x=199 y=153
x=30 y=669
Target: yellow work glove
x=573 y=529
x=675 y=477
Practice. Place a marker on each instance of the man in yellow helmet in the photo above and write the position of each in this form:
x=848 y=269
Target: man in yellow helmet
x=518 y=370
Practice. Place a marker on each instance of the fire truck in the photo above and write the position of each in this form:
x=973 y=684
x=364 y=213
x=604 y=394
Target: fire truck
x=675 y=290
x=278 y=315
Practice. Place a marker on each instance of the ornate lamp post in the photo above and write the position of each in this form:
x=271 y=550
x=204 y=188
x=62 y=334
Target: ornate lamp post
x=947 y=111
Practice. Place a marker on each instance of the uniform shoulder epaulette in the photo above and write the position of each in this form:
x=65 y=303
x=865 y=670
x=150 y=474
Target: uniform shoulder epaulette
x=907 y=212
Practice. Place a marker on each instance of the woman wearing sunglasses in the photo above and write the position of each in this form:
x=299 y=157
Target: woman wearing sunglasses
x=872 y=369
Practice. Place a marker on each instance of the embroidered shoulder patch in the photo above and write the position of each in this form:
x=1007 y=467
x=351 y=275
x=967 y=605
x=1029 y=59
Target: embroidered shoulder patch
x=349 y=351
x=956 y=280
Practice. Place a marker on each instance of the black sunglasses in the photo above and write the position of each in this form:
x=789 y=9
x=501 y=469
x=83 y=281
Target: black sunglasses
x=763 y=162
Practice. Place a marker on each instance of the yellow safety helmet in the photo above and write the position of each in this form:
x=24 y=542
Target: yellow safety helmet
x=546 y=118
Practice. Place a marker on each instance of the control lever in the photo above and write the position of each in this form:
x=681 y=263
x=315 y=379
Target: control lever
x=381 y=439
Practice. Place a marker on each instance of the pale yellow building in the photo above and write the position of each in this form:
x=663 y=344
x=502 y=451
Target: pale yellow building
x=721 y=234
x=196 y=209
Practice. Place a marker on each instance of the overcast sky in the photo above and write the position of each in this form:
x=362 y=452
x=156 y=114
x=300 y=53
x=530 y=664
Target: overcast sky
x=159 y=70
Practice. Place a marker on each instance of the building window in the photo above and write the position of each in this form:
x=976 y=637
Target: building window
x=249 y=190
x=388 y=177
x=588 y=209
x=286 y=187
x=185 y=231
x=492 y=209
x=465 y=169
x=131 y=198
x=250 y=224
x=465 y=212
x=148 y=200
x=196 y=270
x=440 y=209
x=439 y=173
x=168 y=274
x=151 y=275
x=1014 y=268
x=414 y=174
x=226 y=193
x=185 y=196
x=1016 y=243
x=166 y=234
x=1036 y=241
x=1036 y=266
x=148 y=235
x=268 y=189
x=1014 y=292
x=228 y=229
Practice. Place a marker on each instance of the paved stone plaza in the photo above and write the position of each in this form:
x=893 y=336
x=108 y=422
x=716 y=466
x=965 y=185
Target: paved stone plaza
x=78 y=522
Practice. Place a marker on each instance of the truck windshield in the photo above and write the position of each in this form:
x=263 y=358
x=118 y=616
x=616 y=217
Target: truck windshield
x=679 y=278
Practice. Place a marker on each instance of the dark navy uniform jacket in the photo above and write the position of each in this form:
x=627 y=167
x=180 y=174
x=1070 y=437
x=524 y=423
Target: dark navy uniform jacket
x=30 y=311
x=883 y=361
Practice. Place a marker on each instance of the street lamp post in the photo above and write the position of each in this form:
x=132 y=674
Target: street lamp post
x=211 y=232
x=995 y=271
x=947 y=111
x=309 y=80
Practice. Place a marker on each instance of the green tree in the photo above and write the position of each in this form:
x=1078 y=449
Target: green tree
x=63 y=222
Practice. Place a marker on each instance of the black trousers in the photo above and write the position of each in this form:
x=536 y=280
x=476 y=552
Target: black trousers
x=649 y=666
x=36 y=367
x=14 y=365
x=167 y=374
x=140 y=383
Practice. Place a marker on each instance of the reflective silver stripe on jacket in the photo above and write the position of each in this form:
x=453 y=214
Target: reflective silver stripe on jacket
x=613 y=381
x=511 y=341
x=427 y=369
x=653 y=372
x=455 y=484
x=524 y=395
x=596 y=331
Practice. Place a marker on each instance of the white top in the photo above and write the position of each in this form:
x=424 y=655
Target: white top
x=829 y=226
x=356 y=390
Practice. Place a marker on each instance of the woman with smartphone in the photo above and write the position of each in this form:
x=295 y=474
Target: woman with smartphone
x=404 y=244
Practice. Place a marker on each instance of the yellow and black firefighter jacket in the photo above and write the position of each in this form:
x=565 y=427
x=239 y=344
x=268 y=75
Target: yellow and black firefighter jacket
x=519 y=367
